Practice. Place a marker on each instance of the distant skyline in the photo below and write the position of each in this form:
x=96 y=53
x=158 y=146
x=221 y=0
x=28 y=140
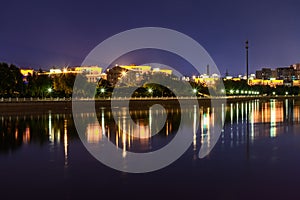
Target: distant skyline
x=47 y=33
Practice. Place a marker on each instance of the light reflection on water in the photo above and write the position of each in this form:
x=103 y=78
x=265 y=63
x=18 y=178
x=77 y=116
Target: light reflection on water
x=264 y=119
x=264 y=130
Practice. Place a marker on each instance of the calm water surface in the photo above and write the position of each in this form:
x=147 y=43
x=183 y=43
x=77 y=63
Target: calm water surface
x=42 y=157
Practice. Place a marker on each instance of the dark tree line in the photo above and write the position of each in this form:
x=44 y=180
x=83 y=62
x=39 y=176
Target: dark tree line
x=14 y=84
x=11 y=81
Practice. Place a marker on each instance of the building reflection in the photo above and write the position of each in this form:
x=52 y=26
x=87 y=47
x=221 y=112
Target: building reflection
x=265 y=120
x=126 y=135
x=66 y=142
x=94 y=132
x=205 y=124
x=195 y=114
x=26 y=135
x=18 y=130
x=273 y=120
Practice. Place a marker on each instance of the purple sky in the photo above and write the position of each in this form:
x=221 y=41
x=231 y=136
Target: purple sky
x=46 y=33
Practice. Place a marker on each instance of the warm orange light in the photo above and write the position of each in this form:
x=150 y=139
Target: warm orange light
x=124 y=73
x=26 y=72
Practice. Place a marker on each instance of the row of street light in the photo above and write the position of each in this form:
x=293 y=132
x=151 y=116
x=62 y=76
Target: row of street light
x=243 y=92
x=195 y=91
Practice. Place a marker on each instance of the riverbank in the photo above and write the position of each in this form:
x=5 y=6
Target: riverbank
x=65 y=105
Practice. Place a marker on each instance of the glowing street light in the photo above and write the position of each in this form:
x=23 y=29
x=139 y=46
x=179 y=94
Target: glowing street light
x=124 y=73
x=49 y=91
x=231 y=91
x=102 y=90
x=150 y=90
x=194 y=90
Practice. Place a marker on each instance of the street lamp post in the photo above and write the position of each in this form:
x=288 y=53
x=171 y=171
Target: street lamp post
x=247 y=60
x=150 y=90
x=49 y=91
x=102 y=92
x=247 y=129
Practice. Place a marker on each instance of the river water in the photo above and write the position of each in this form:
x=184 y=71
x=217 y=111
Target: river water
x=255 y=157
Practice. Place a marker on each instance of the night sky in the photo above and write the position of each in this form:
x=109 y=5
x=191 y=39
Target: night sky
x=41 y=34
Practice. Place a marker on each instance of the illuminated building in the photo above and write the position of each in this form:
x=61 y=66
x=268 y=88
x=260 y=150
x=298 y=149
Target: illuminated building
x=93 y=78
x=205 y=80
x=185 y=78
x=55 y=71
x=266 y=74
x=137 y=68
x=272 y=82
x=131 y=74
x=236 y=79
x=135 y=74
x=285 y=73
x=296 y=83
x=288 y=74
x=229 y=78
x=89 y=69
x=163 y=71
x=92 y=73
x=26 y=72
x=232 y=78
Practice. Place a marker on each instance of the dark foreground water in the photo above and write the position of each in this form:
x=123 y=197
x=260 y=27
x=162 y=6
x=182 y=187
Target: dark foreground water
x=42 y=157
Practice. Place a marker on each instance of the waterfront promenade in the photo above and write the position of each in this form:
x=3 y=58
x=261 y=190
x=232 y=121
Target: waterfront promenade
x=61 y=105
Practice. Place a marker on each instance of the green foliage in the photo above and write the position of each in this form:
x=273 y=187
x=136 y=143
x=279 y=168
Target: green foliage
x=86 y=89
x=11 y=81
x=63 y=84
x=38 y=85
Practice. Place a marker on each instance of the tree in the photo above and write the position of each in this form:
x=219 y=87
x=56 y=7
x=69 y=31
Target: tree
x=11 y=81
x=83 y=87
x=38 y=85
x=63 y=84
